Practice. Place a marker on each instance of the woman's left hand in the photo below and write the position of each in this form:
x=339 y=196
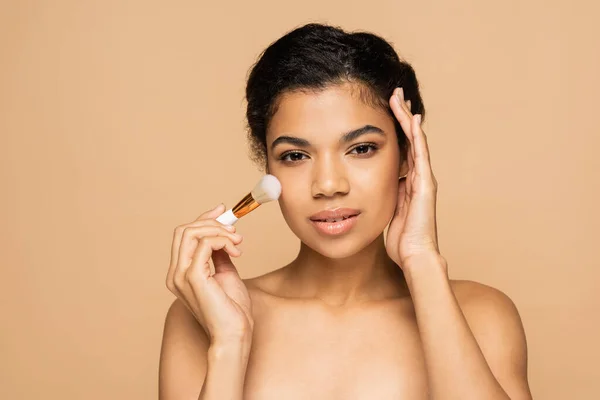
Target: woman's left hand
x=412 y=233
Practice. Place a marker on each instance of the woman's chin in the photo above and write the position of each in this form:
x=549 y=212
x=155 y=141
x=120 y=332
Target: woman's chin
x=339 y=246
x=337 y=250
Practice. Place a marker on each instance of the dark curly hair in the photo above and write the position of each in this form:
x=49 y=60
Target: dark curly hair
x=315 y=56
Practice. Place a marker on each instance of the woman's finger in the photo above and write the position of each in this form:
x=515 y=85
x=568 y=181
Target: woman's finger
x=411 y=169
x=192 y=236
x=190 y=240
x=406 y=107
x=178 y=233
x=396 y=104
x=212 y=214
x=403 y=115
x=175 y=246
x=200 y=268
x=222 y=261
x=405 y=104
x=422 y=158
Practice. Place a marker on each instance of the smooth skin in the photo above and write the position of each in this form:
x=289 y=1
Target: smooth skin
x=366 y=315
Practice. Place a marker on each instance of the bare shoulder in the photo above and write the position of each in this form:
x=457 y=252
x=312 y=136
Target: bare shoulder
x=183 y=352
x=489 y=312
x=181 y=330
x=480 y=301
x=497 y=327
x=472 y=292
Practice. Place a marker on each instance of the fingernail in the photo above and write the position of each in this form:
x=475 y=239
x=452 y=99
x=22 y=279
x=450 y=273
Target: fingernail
x=400 y=94
x=230 y=228
x=419 y=119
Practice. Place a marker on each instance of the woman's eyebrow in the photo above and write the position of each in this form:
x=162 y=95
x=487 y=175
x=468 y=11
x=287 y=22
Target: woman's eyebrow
x=347 y=137
x=350 y=136
x=296 y=141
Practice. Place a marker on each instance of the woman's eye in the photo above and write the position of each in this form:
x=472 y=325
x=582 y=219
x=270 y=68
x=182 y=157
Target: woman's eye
x=364 y=149
x=360 y=150
x=292 y=157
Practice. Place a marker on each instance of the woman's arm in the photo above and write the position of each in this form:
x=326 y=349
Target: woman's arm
x=191 y=368
x=208 y=329
x=226 y=371
x=460 y=365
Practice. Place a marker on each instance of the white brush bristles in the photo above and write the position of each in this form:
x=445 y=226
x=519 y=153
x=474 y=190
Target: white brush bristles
x=267 y=189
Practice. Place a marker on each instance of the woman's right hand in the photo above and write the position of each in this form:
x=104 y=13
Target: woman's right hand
x=219 y=302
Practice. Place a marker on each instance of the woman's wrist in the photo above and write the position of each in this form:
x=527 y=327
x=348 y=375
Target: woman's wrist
x=424 y=264
x=226 y=371
x=232 y=357
x=231 y=347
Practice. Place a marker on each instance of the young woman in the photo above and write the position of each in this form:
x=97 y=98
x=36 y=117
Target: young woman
x=360 y=313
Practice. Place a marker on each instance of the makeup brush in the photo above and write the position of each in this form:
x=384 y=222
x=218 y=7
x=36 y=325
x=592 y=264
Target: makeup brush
x=267 y=189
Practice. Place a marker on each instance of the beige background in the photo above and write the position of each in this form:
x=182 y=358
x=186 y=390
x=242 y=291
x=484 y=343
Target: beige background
x=121 y=119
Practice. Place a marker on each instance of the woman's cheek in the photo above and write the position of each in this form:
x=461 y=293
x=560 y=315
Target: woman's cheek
x=388 y=198
x=290 y=203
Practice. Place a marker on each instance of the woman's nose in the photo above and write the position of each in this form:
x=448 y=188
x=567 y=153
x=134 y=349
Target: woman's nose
x=329 y=179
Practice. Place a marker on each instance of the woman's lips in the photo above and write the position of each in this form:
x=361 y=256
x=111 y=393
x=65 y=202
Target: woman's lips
x=335 y=228
x=334 y=213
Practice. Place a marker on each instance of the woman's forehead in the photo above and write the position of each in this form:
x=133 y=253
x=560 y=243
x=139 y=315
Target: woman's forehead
x=331 y=111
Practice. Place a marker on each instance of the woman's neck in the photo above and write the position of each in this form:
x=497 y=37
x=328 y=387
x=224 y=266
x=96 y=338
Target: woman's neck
x=366 y=276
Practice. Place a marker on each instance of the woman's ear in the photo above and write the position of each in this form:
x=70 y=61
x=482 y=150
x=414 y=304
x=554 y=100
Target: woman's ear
x=403 y=168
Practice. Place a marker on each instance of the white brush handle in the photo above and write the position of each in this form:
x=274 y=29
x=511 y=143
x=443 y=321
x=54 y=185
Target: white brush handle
x=227 y=218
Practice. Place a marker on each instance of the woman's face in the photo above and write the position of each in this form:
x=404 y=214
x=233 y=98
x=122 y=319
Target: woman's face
x=338 y=162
